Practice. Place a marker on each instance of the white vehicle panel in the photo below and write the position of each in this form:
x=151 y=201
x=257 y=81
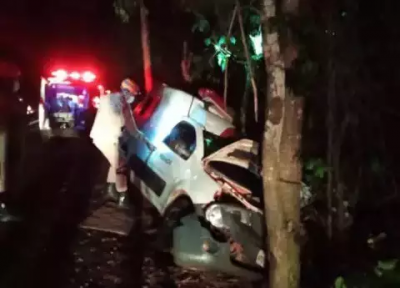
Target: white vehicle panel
x=164 y=118
x=182 y=175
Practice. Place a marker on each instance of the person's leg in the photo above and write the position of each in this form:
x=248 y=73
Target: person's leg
x=121 y=183
x=105 y=134
x=117 y=182
x=112 y=175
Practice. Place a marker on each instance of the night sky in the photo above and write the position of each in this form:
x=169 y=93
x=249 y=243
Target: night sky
x=88 y=33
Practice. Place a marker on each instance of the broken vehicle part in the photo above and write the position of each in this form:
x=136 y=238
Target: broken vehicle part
x=194 y=247
x=242 y=227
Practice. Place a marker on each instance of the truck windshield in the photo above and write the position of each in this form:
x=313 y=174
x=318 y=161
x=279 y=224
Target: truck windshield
x=213 y=143
x=62 y=91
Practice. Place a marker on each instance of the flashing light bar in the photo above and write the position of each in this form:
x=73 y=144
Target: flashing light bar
x=88 y=76
x=61 y=75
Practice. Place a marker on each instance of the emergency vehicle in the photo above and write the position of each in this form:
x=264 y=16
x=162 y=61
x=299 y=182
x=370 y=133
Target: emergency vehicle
x=68 y=102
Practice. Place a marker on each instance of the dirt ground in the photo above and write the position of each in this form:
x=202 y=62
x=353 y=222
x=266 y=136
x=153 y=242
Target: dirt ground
x=101 y=260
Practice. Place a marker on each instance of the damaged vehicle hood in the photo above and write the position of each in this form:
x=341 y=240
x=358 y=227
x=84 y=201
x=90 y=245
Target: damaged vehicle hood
x=243 y=153
x=237 y=164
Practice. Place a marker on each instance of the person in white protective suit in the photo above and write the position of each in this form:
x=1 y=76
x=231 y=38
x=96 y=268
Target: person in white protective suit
x=105 y=135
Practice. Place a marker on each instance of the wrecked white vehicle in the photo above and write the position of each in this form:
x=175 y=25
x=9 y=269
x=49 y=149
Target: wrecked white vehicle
x=185 y=159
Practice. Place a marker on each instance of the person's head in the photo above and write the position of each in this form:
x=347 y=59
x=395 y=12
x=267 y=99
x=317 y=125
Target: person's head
x=130 y=86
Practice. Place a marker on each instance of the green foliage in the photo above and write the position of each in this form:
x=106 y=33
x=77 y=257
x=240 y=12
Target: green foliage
x=222 y=61
x=384 y=274
x=303 y=31
x=216 y=39
x=340 y=283
x=387 y=265
x=315 y=169
x=201 y=24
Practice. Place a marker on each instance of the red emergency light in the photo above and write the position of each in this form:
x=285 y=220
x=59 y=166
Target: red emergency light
x=75 y=75
x=62 y=75
x=88 y=76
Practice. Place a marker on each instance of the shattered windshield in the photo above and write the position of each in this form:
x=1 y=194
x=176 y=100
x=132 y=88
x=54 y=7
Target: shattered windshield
x=213 y=143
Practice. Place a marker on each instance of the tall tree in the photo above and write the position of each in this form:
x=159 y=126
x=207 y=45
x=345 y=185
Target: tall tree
x=124 y=9
x=144 y=31
x=281 y=163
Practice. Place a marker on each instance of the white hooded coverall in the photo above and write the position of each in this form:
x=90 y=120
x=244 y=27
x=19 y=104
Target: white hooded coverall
x=105 y=134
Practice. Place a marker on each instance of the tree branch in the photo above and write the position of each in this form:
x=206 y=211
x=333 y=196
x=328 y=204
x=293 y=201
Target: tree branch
x=248 y=59
x=226 y=74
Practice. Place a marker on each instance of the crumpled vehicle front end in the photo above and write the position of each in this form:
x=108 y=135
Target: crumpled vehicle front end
x=196 y=246
x=228 y=238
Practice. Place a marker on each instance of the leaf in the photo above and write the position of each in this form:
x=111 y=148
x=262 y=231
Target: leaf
x=207 y=42
x=220 y=57
x=222 y=61
x=222 y=40
x=387 y=265
x=320 y=172
x=223 y=64
x=201 y=25
x=340 y=283
x=233 y=40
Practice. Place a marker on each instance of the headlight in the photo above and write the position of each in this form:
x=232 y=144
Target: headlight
x=213 y=215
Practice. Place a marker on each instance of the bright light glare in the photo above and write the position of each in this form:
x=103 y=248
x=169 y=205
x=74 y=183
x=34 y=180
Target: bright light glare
x=75 y=75
x=60 y=74
x=256 y=43
x=56 y=80
x=29 y=110
x=88 y=76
